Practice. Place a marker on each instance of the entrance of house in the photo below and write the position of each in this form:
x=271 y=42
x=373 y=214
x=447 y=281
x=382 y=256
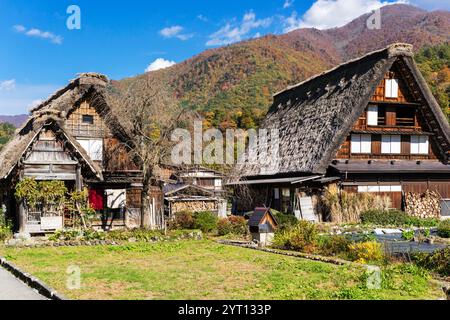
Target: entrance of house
x=45 y=217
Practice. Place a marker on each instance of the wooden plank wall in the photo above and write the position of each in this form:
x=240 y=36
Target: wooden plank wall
x=77 y=128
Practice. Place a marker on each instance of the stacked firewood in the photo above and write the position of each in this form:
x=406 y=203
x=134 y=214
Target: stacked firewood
x=425 y=205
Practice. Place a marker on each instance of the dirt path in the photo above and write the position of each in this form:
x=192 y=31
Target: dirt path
x=13 y=289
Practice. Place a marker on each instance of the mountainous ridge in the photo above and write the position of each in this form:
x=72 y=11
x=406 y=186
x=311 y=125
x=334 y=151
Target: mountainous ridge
x=232 y=86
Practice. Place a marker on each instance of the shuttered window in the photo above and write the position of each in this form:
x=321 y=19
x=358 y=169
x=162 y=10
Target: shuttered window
x=372 y=116
x=361 y=143
x=420 y=145
x=391 y=88
x=391 y=144
x=93 y=147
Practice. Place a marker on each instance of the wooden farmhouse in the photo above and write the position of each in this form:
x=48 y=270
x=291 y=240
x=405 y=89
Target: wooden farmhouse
x=370 y=125
x=75 y=137
x=195 y=189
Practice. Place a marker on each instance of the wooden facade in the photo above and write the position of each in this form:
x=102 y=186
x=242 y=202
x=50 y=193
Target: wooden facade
x=400 y=116
x=369 y=125
x=76 y=138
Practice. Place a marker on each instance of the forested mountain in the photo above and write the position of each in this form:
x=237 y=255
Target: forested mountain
x=233 y=86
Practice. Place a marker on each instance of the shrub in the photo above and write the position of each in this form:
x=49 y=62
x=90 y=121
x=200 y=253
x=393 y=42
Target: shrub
x=395 y=218
x=66 y=235
x=300 y=237
x=205 y=221
x=438 y=261
x=182 y=220
x=5 y=233
x=232 y=225
x=284 y=220
x=408 y=235
x=5 y=227
x=364 y=252
x=334 y=245
x=444 y=229
x=384 y=218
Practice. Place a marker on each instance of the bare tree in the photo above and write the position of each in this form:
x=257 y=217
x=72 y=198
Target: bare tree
x=153 y=113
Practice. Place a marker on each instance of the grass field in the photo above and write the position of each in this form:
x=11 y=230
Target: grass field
x=206 y=270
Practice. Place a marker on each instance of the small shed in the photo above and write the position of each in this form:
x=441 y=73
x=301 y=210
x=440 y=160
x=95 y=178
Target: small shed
x=262 y=224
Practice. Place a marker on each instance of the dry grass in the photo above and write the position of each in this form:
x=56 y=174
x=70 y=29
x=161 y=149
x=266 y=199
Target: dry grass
x=345 y=207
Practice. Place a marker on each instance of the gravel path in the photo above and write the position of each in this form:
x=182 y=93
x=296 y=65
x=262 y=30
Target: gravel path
x=13 y=289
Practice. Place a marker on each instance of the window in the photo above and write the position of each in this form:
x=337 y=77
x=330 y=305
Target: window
x=372 y=116
x=420 y=144
x=218 y=183
x=361 y=143
x=94 y=148
x=391 y=88
x=116 y=198
x=276 y=193
x=391 y=144
x=87 y=119
x=378 y=189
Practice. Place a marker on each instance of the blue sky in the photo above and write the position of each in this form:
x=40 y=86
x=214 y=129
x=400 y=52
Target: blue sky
x=39 y=54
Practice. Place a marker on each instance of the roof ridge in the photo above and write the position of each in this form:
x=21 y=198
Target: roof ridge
x=393 y=50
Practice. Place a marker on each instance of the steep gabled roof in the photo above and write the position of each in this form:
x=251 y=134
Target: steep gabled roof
x=56 y=109
x=12 y=153
x=315 y=116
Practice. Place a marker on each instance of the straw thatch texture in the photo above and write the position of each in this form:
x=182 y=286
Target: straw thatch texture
x=315 y=117
x=55 y=111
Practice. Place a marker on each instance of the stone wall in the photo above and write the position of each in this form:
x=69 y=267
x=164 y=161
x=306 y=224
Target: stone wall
x=425 y=205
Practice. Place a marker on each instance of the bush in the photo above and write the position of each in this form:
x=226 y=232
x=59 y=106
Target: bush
x=438 y=261
x=444 y=229
x=232 y=225
x=5 y=233
x=182 y=220
x=408 y=235
x=300 y=237
x=334 y=245
x=5 y=227
x=284 y=220
x=205 y=221
x=395 y=218
x=364 y=252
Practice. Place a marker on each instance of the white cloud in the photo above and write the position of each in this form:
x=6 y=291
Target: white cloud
x=8 y=85
x=325 y=14
x=37 y=33
x=288 y=4
x=232 y=32
x=158 y=64
x=202 y=18
x=20 y=100
x=175 y=32
x=35 y=103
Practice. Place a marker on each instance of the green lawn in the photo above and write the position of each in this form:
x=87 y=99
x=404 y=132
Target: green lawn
x=206 y=270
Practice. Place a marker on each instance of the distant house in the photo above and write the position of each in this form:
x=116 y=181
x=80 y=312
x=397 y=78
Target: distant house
x=76 y=137
x=196 y=189
x=370 y=125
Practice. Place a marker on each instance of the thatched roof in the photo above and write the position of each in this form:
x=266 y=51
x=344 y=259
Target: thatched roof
x=315 y=116
x=55 y=110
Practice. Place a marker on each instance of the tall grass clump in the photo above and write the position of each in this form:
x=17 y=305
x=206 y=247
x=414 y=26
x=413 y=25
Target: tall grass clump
x=346 y=207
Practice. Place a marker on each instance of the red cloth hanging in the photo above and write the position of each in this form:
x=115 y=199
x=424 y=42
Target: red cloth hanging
x=96 y=198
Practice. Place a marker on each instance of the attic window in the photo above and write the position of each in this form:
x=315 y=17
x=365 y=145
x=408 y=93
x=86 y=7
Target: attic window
x=87 y=119
x=391 y=88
